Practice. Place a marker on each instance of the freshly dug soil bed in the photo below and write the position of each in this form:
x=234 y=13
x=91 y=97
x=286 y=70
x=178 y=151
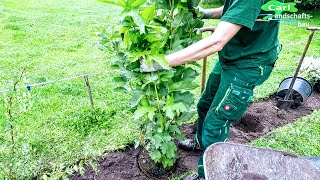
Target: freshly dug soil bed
x=150 y=168
x=259 y=119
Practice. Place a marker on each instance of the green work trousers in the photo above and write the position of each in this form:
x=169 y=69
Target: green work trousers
x=225 y=99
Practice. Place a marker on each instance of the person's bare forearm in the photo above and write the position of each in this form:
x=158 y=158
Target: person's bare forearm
x=207 y=46
x=214 y=13
x=194 y=52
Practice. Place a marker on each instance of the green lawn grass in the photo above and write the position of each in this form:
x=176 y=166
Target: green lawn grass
x=55 y=39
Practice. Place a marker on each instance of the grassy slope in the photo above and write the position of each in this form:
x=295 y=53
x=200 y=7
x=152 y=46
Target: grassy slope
x=55 y=39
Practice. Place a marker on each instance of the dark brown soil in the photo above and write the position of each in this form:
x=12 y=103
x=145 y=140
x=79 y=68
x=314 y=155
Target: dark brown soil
x=260 y=118
x=150 y=168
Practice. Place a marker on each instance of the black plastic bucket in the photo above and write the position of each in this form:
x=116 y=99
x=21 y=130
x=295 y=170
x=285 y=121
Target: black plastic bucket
x=301 y=90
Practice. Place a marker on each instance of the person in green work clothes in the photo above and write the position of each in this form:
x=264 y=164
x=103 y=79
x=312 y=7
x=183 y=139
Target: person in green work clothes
x=247 y=49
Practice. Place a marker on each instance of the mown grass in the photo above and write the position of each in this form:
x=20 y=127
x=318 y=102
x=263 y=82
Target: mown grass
x=55 y=39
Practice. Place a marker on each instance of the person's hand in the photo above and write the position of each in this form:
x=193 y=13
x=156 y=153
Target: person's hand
x=152 y=68
x=200 y=12
x=205 y=14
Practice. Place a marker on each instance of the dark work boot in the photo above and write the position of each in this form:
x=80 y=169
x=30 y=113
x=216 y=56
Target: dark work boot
x=194 y=177
x=189 y=145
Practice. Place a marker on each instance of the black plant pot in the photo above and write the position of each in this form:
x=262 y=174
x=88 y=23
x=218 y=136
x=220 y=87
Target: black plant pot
x=316 y=86
x=301 y=90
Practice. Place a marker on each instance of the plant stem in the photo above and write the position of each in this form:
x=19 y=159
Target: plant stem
x=171 y=23
x=142 y=134
x=158 y=102
x=149 y=92
x=157 y=96
x=12 y=149
x=11 y=126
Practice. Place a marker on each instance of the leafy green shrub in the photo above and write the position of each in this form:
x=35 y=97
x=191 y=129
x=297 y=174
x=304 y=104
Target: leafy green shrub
x=310 y=4
x=306 y=4
x=310 y=69
x=16 y=103
x=149 y=30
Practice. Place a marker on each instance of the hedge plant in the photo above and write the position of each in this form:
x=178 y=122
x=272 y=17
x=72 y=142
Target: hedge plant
x=161 y=100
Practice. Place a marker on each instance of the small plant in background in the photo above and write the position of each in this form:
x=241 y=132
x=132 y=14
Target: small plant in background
x=16 y=102
x=306 y=4
x=149 y=30
x=309 y=4
x=209 y=3
x=310 y=70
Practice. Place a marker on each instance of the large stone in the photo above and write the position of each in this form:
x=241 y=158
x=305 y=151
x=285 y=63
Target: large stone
x=228 y=161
